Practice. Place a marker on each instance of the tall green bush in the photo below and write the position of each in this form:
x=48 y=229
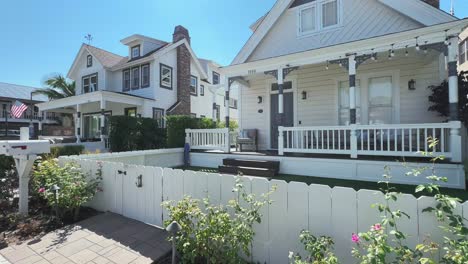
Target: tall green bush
x=135 y=133
x=176 y=126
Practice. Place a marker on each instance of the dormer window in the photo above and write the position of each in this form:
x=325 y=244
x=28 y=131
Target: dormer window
x=89 y=61
x=135 y=51
x=318 y=16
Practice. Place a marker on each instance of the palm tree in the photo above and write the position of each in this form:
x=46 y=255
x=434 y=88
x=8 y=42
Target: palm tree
x=58 y=88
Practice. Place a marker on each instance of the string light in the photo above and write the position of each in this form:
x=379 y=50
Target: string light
x=373 y=56
x=341 y=64
x=425 y=47
x=446 y=42
x=392 y=53
x=406 y=51
x=389 y=54
x=417 y=44
x=327 y=65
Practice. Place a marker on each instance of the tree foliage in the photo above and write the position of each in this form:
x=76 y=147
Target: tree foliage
x=439 y=98
x=58 y=87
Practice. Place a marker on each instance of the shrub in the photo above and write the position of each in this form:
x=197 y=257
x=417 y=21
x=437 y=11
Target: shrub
x=233 y=125
x=6 y=163
x=440 y=101
x=176 y=126
x=76 y=187
x=319 y=250
x=216 y=233
x=135 y=133
x=71 y=150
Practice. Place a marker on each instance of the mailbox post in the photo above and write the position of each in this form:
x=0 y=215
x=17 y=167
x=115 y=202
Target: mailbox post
x=24 y=152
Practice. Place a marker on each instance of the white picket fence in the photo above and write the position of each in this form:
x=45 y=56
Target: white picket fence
x=407 y=140
x=337 y=212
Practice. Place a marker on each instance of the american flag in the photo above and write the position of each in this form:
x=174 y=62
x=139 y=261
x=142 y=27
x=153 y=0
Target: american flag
x=17 y=109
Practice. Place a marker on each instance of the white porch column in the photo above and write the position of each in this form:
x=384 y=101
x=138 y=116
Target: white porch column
x=455 y=138
x=41 y=118
x=103 y=119
x=352 y=89
x=227 y=86
x=213 y=109
x=280 y=96
x=78 y=124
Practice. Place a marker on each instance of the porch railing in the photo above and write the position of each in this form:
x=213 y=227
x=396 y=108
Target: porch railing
x=208 y=139
x=407 y=140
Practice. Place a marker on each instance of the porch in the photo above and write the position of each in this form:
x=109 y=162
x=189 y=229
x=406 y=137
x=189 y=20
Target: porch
x=91 y=112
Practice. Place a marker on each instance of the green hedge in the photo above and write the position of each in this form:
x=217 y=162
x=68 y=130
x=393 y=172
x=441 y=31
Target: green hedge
x=6 y=163
x=135 y=133
x=176 y=126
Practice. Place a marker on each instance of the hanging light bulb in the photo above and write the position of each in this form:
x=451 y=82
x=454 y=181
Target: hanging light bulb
x=392 y=52
x=417 y=45
x=425 y=47
x=373 y=57
x=406 y=51
x=389 y=54
x=341 y=64
x=446 y=42
x=327 y=65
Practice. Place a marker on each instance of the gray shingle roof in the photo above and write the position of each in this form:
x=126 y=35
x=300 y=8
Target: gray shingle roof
x=20 y=92
x=106 y=58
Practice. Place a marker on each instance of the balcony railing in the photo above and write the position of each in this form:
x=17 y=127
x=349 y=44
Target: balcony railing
x=27 y=115
x=407 y=140
x=208 y=139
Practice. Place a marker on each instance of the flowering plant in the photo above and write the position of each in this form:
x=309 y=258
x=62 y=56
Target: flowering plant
x=75 y=187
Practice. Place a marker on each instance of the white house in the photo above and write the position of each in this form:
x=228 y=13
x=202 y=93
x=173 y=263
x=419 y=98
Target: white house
x=343 y=83
x=463 y=51
x=156 y=78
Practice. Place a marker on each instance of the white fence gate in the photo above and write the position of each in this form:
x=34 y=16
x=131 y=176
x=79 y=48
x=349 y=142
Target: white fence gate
x=337 y=212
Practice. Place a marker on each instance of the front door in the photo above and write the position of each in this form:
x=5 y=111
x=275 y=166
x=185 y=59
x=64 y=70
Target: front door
x=288 y=99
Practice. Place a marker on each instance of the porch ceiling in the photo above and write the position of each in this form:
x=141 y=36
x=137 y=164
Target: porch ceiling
x=426 y=36
x=66 y=104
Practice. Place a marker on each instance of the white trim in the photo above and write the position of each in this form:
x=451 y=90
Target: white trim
x=433 y=34
x=414 y=9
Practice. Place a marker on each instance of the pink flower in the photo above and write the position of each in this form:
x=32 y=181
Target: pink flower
x=41 y=190
x=377 y=227
x=355 y=238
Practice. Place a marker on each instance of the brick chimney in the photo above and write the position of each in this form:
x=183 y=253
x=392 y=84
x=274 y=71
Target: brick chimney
x=182 y=106
x=434 y=3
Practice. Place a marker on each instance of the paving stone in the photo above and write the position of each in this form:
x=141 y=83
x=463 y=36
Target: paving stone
x=19 y=254
x=83 y=256
x=142 y=260
x=121 y=255
x=101 y=260
x=72 y=248
x=60 y=260
x=95 y=248
x=51 y=255
x=30 y=260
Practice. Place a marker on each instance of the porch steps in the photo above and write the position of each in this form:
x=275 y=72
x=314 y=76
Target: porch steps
x=250 y=167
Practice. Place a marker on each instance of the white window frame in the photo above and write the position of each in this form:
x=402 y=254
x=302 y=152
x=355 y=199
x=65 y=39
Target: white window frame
x=162 y=83
x=318 y=17
x=124 y=72
x=194 y=93
x=136 y=47
x=463 y=50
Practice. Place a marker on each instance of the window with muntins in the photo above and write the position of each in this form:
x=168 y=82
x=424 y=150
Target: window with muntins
x=233 y=103
x=216 y=78
x=158 y=115
x=463 y=51
x=193 y=85
x=318 y=16
x=136 y=51
x=89 y=61
x=145 y=76
x=135 y=78
x=165 y=76
x=343 y=98
x=202 y=90
x=126 y=80
x=90 y=83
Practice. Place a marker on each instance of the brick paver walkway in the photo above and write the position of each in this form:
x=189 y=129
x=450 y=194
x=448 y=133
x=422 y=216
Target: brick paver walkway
x=106 y=238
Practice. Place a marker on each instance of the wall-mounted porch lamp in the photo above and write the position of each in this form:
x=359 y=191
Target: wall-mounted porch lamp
x=260 y=99
x=304 y=95
x=412 y=85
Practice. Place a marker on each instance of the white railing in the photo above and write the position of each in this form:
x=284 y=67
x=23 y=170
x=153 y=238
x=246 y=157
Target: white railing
x=373 y=140
x=208 y=139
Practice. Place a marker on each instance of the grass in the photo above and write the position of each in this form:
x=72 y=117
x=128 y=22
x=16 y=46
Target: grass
x=356 y=185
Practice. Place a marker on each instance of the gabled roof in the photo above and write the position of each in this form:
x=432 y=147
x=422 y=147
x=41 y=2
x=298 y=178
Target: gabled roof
x=21 y=92
x=135 y=37
x=414 y=9
x=106 y=58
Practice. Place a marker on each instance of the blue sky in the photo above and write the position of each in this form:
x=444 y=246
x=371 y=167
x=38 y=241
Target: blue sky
x=40 y=38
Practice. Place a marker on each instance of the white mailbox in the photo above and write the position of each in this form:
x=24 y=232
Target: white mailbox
x=24 y=153
x=24 y=147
